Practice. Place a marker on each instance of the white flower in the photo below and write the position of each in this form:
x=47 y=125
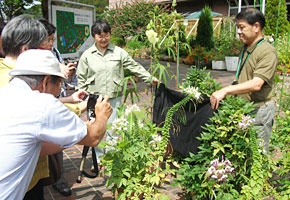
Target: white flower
x=246 y=121
x=211 y=170
x=193 y=91
x=152 y=36
x=155 y=140
x=119 y=124
x=220 y=169
x=132 y=108
x=271 y=39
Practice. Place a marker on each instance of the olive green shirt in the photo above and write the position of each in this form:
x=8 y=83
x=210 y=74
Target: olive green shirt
x=103 y=74
x=261 y=63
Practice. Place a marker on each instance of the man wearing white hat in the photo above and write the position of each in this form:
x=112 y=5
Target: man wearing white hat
x=33 y=122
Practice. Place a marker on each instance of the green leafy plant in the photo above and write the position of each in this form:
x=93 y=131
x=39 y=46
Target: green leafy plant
x=271 y=17
x=218 y=56
x=226 y=42
x=204 y=35
x=133 y=163
x=136 y=161
x=224 y=136
x=199 y=79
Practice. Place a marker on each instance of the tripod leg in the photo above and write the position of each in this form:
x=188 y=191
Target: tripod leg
x=81 y=171
x=95 y=162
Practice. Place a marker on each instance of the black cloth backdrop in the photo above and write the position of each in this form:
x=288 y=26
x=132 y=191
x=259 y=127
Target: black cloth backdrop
x=183 y=139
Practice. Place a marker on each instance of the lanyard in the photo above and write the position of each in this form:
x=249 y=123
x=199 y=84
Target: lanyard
x=240 y=67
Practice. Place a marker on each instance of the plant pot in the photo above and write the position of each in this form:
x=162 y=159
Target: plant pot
x=219 y=64
x=232 y=63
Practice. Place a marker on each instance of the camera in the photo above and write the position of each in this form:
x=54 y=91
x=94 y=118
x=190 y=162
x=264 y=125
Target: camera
x=91 y=105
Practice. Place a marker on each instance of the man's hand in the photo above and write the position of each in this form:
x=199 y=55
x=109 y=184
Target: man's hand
x=68 y=69
x=97 y=128
x=71 y=68
x=78 y=96
x=155 y=82
x=216 y=97
x=103 y=107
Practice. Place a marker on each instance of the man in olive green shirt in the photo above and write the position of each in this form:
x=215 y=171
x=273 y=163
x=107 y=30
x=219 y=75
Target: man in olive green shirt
x=101 y=70
x=256 y=72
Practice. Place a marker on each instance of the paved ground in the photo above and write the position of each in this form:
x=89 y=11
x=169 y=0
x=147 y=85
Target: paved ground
x=94 y=189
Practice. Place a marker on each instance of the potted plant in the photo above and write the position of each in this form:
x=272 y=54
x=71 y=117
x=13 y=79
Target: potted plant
x=218 y=61
x=232 y=59
x=232 y=55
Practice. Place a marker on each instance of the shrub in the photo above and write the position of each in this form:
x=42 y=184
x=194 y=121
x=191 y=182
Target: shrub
x=118 y=41
x=132 y=18
x=204 y=35
x=271 y=16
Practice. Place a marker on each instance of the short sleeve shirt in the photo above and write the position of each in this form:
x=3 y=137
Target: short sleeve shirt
x=262 y=63
x=27 y=118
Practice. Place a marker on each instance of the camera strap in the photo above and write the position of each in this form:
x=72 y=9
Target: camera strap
x=240 y=66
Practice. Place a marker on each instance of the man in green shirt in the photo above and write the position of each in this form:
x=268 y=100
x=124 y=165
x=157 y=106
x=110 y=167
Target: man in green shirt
x=101 y=70
x=256 y=72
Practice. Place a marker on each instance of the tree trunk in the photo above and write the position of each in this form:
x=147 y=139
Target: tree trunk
x=44 y=9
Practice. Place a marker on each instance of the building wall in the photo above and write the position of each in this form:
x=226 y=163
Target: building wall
x=113 y=3
x=186 y=6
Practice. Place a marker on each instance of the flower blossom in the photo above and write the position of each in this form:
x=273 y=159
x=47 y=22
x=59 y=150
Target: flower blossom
x=152 y=36
x=132 y=108
x=219 y=170
x=155 y=140
x=246 y=121
x=119 y=124
x=193 y=91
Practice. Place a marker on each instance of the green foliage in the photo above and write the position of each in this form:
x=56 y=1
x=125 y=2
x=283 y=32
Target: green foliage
x=100 y=5
x=227 y=43
x=34 y=11
x=222 y=136
x=204 y=35
x=134 y=162
x=134 y=44
x=201 y=80
x=271 y=17
x=132 y=18
x=282 y=47
x=118 y=41
x=12 y=8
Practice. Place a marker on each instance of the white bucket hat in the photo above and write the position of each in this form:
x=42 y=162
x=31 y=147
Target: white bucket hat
x=37 y=62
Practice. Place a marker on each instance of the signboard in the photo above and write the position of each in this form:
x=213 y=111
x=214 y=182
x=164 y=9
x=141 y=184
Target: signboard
x=73 y=30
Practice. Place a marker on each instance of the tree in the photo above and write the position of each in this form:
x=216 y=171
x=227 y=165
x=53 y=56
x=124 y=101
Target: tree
x=99 y=6
x=271 y=16
x=34 y=11
x=11 y=8
x=204 y=35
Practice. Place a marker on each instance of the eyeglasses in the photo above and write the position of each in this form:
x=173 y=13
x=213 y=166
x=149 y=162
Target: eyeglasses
x=49 y=40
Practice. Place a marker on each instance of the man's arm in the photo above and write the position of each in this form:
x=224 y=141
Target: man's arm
x=97 y=129
x=74 y=98
x=249 y=86
x=49 y=148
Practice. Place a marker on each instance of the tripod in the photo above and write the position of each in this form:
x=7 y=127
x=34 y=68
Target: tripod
x=90 y=114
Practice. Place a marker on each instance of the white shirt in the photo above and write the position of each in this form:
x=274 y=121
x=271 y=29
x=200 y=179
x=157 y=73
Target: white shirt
x=26 y=119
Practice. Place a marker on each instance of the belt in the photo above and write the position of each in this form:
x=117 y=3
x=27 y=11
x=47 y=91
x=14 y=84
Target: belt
x=263 y=103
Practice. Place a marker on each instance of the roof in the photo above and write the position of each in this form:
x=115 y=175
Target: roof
x=198 y=13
